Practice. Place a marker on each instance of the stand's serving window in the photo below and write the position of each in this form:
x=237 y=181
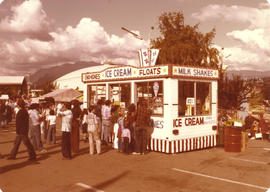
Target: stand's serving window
x=120 y=94
x=95 y=93
x=151 y=91
x=194 y=98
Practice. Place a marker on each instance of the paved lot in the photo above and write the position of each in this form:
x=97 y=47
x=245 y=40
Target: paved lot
x=208 y=170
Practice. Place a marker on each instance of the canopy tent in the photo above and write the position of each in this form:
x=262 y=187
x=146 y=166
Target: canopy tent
x=62 y=95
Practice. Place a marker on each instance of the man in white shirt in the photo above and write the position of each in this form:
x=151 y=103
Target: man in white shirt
x=66 y=115
x=35 y=132
x=106 y=121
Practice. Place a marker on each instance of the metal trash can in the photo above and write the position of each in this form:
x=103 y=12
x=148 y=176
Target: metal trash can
x=232 y=141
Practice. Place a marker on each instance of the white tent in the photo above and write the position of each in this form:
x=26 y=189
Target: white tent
x=63 y=95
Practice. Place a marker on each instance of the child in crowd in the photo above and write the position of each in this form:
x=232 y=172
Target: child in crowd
x=51 y=137
x=126 y=138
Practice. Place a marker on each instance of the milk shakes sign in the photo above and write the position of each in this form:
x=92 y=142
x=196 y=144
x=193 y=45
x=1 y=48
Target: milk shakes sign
x=195 y=72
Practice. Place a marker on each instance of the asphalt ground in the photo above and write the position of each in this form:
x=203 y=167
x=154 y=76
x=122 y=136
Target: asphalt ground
x=208 y=170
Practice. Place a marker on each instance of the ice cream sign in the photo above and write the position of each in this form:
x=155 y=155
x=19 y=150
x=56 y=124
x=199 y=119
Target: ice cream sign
x=188 y=121
x=121 y=73
x=195 y=72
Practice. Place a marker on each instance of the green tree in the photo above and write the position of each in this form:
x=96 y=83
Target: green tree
x=232 y=92
x=47 y=87
x=184 y=44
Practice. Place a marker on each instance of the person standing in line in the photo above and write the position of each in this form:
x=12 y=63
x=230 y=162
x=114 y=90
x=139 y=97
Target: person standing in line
x=22 y=128
x=106 y=121
x=75 y=131
x=143 y=123
x=131 y=118
x=35 y=132
x=98 y=109
x=84 y=124
x=93 y=131
x=59 y=107
x=99 y=124
x=114 y=123
x=51 y=137
x=126 y=138
x=120 y=122
x=45 y=115
x=66 y=115
x=102 y=128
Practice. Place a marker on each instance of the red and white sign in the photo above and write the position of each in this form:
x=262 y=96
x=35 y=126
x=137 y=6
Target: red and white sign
x=148 y=57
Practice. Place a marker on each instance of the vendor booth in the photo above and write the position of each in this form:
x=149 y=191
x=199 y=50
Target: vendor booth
x=183 y=101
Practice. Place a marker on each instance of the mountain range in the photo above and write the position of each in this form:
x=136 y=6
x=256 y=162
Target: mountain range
x=50 y=74
x=249 y=73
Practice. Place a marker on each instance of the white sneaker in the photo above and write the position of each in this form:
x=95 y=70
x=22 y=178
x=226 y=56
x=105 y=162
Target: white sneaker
x=252 y=138
x=43 y=151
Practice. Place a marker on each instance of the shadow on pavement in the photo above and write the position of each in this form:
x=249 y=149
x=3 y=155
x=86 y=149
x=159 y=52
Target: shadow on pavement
x=4 y=142
x=82 y=151
x=22 y=164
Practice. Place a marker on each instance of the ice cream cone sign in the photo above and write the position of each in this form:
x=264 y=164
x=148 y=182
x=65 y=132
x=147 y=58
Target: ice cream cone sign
x=155 y=88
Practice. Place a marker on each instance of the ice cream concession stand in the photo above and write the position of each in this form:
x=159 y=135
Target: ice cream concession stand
x=183 y=100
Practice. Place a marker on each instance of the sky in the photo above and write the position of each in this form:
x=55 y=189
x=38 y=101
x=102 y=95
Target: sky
x=37 y=34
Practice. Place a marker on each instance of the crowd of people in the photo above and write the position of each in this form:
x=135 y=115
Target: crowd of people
x=6 y=108
x=102 y=125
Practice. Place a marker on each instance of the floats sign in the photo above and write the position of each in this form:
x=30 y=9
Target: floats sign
x=195 y=72
x=121 y=73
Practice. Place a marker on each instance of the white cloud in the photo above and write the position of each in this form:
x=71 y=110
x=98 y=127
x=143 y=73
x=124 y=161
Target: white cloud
x=254 y=16
x=253 y=39
x=88 y=41
x=253 y=52
x=26 y=17
x=90 y=38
